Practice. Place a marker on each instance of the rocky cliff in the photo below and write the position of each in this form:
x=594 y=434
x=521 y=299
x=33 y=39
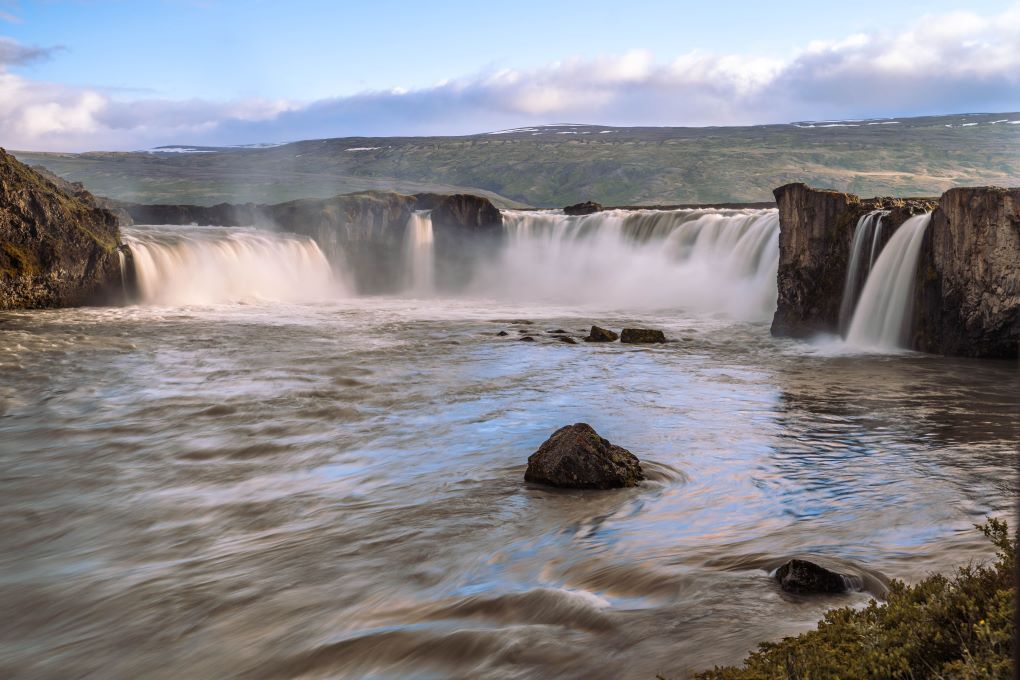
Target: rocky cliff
x=968 y=288
x=815 y=232
x=58 y=247
x=969 y=275
x=363 y=234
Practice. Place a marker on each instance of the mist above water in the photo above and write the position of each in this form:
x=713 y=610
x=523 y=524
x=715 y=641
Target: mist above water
x=718 y=262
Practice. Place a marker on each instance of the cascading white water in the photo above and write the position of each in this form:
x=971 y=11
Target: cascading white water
x=419 y=252
x=882 y=317
x=867 y=234
x=209 y=265
x=702 y=260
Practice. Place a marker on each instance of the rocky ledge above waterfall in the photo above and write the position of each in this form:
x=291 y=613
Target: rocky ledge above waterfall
x=58 y=246
x=967 y=295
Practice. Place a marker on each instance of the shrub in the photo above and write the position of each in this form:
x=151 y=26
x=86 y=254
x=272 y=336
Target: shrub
x=960 y=626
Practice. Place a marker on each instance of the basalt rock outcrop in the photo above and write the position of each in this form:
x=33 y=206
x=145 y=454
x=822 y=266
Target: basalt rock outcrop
x=58 y=246
x=586 y=208
x=467 y=231
x=363 y=233
x=967 y=289
x=576 y=457
x=815 y=232
x=968 y=278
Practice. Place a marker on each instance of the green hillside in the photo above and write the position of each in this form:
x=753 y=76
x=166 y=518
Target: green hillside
x=562 y=164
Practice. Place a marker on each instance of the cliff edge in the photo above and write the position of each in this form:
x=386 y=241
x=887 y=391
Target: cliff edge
x=58 y=247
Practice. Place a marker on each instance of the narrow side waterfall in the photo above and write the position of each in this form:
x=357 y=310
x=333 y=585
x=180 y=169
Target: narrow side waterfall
x=702 y=260
x=882 y=317
x=210 y=265
x=863 y=250
x=419 y=252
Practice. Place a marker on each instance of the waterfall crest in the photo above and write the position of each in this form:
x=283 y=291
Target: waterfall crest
x=210 y=265
x=867 y=235
x=701 y=260
x=882 y=317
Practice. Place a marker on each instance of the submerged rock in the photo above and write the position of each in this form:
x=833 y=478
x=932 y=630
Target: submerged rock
x=586 y=208
x=598 y=334
x=642 y=336
x=803 y=577
x=567 y=339
x=527 y=338
x=502 y=334
x=576 y=457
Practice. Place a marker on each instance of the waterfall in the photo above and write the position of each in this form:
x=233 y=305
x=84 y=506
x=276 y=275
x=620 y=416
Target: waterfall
x=419 y=252
x=867 y=235
x=702 y=260
x=882 y=317
x=209 y=265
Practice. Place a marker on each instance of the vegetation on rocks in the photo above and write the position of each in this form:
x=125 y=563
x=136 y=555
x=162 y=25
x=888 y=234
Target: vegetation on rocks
x=958 y=626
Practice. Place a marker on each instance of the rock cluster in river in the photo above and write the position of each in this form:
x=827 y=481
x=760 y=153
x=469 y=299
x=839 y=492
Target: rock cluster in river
x=576 y=457
x=58 y=246
x=637 y=336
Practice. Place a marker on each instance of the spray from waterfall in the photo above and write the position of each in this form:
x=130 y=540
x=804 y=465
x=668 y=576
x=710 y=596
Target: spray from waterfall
x=210 y=265
x=419 y=253
x=883 y=315
x=701 y=260
x=867 y=235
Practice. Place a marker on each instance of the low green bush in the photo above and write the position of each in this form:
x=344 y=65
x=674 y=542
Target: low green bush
x=958 y=626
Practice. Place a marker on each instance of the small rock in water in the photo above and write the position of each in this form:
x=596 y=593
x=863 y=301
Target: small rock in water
x=502 y=334
x=567 y=339
x=641 y=336
x=803 y=577
x=586 y=208
x=576 y=457
x=527 y=338
x=597 y=334
x=558 y=331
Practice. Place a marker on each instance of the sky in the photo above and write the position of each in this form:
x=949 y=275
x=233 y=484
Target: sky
x=93 y=74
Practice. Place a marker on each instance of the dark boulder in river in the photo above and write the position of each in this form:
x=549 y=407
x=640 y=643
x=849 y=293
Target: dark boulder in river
x=586 y=208
x=805 y=578
x=576 y=457
x=58 y=247
x=599 y=334
x=637 y=336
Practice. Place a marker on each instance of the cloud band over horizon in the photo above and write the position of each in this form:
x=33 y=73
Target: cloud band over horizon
x=949 y=63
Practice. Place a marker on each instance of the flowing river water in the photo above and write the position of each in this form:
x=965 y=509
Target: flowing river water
x=307 y=483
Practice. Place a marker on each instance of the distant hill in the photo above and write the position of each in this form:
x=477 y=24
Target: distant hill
x=556 y=165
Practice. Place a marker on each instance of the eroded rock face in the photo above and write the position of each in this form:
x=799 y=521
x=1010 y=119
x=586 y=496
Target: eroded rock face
x=467 y=231
x=804 y=577
x=58 y=247
x=815 y=234
x=586 y=208
x=599 y=334
x=637 y=336
x=969 y=275
x=576 y=457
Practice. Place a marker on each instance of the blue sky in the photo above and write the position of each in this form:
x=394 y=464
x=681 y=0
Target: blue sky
x=96 y=74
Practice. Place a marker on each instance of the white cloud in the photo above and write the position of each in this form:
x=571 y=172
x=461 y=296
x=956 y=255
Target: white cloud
x=955 y=62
